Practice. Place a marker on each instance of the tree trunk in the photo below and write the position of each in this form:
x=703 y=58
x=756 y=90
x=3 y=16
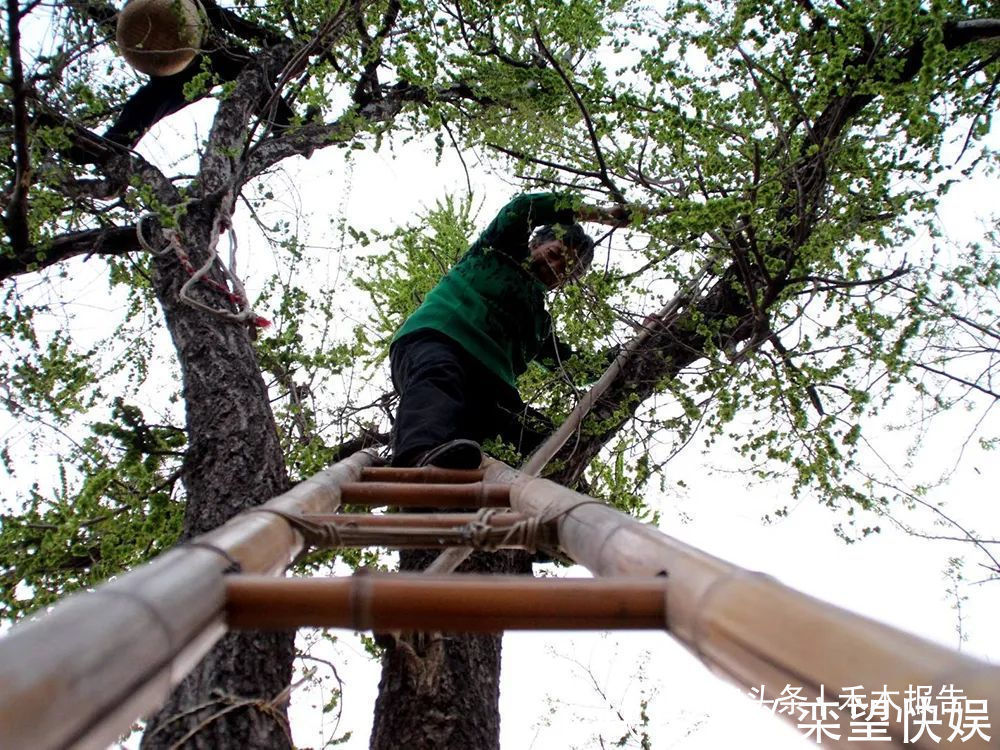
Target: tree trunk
x=442 y=691
x=236 y=696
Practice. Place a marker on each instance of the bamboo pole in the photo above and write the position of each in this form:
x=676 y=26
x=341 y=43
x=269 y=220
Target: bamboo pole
x=432 y=530
x=547 y=450
x=451 y=603
x=745 y=625
x=448 y=561
x=375 y=494
x=79 y=675
x=411 y=520
x=420 y=474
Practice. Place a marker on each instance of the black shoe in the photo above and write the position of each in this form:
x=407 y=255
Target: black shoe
x=455 y=454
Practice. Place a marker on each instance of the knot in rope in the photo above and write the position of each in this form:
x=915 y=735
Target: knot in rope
x=483 y=535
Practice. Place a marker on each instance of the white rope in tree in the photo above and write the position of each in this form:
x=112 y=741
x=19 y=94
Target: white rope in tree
x=232 y=288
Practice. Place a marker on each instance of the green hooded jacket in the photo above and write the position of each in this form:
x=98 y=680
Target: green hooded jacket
x=489 y=302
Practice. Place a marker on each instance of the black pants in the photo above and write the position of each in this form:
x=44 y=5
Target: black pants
x=445 y=394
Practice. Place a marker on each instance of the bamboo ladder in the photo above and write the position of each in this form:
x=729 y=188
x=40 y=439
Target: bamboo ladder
x=80 y=674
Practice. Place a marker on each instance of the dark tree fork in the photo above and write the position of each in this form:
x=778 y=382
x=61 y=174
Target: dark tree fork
x=436 y=691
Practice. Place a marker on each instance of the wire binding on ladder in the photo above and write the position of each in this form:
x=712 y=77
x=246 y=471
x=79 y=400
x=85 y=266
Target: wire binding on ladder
x=321 y=535
x=480 y=533
x=234 y=564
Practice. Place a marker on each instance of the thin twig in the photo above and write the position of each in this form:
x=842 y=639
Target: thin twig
x=544 y=162
x=957 y=379
x=972 y=538
x=617 y=194
x=458 y=152
x=845 y=284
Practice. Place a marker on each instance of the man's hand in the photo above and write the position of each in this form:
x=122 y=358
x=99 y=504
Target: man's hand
x=621 y=214
x=616 y=216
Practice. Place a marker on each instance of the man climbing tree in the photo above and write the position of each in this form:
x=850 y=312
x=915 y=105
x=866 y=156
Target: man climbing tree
x=456 y=359
x=454 y=365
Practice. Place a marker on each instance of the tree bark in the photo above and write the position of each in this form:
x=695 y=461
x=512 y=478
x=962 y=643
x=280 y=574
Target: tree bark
x=236 y=697
x=441 y=691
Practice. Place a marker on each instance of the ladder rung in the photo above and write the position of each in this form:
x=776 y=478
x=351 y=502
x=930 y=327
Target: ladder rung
x=405 y=520
x=474 y=495
x=420 y=475
x=455 y=603
x=433 y=530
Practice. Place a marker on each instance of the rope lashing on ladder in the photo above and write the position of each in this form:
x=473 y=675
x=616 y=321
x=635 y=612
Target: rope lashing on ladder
x=234 y=564
x=314 y=535
x=481 y=534
x=233 y=290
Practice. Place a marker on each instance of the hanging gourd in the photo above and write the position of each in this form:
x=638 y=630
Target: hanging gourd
x=160 y=37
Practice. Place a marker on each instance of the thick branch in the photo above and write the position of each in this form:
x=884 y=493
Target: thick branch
x=256 y=91
x=121 y=167
x=725 y=309
x=109 y=241
x=160 y=97
x=305 y=140
x=16 y=218
x=224 y=19
x=972 y=30
x=118 y=163
x=163 y=96
x=807 y=179
x=663 y=356
x=220 y=163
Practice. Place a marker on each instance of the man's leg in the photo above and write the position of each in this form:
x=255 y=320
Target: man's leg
x=509 y=417
x=432 y=375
